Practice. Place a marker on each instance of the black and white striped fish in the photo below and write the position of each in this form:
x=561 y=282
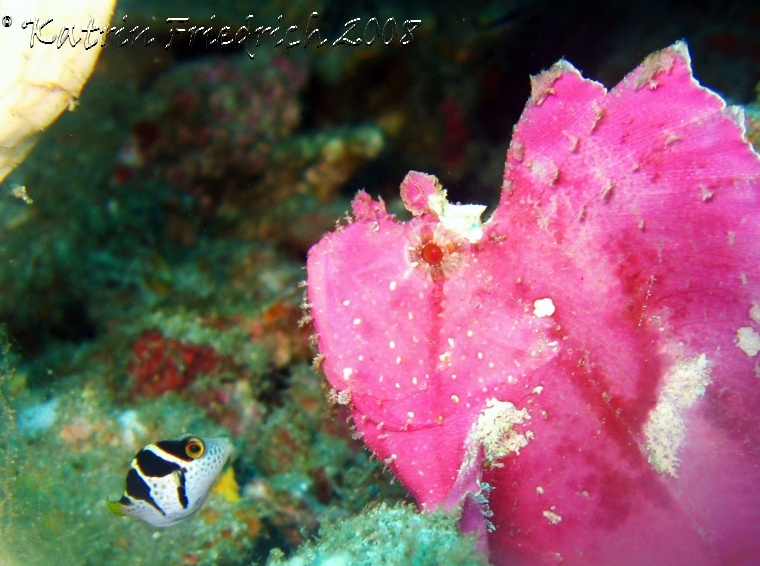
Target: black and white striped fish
x=168 y=481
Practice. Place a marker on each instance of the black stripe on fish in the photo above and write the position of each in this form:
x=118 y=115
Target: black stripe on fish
x=138 y=489
x=181 y=493
x=153 y=465
x=175 y=447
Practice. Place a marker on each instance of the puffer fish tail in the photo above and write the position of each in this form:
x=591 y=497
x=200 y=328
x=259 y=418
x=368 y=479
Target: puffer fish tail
x=115 y=507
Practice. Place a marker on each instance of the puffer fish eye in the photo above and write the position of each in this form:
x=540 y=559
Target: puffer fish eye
x=195 y=448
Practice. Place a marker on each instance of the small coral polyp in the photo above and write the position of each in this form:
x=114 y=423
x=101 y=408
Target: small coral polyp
x=436 y=251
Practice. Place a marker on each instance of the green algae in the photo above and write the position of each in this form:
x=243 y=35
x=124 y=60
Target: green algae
x=8 y=452
x=387 y=536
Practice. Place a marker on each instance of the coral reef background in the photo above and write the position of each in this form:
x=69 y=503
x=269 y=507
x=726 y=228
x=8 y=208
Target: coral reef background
x=152 y=286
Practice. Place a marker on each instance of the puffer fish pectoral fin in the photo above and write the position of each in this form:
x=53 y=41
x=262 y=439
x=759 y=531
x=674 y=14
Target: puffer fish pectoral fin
x=179 y=476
